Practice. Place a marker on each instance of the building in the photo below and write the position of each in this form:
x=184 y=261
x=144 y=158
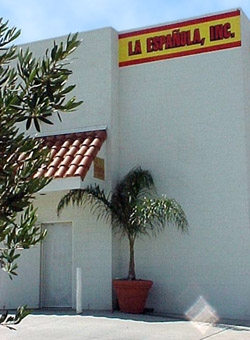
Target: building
x=175 y=100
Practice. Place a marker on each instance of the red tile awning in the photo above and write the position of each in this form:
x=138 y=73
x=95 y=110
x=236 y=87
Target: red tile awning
x=72 y=154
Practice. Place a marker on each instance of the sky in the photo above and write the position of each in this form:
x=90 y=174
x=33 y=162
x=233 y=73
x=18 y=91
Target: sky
x=43 y=19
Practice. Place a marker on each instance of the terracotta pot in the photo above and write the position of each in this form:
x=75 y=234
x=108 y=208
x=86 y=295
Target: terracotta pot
x=132 y=295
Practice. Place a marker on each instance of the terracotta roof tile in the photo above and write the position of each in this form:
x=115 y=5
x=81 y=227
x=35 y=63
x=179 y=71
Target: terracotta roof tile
x=72 y=154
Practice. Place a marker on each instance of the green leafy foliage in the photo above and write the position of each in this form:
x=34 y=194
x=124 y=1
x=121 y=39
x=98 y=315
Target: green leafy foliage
x=134 y=208
x=43 y=90
x=92 y=196
x=31 y=91
x=8 y=321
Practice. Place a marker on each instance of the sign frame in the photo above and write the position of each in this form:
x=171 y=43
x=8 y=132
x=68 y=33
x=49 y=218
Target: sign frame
x=201 y=35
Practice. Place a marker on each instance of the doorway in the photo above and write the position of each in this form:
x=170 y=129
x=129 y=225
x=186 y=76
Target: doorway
x=56 y=266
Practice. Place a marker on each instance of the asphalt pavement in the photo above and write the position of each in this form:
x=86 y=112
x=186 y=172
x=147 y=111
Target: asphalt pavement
x=41 y=325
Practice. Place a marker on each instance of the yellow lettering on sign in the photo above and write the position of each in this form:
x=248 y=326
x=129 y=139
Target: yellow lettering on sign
x=175 y=40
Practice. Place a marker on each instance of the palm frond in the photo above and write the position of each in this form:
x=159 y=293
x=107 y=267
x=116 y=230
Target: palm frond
x=134 y=184
x=151 y=214
x=92 y=196
x=134 y=209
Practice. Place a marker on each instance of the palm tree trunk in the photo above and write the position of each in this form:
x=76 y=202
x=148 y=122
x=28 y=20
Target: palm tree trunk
x=131 y=272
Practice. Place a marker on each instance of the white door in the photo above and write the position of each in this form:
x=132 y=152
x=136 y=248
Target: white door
x=56 y=274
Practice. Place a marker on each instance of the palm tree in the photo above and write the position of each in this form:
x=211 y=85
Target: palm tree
x=134 y=208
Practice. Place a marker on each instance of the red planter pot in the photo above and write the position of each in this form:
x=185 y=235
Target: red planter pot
x=132 y=295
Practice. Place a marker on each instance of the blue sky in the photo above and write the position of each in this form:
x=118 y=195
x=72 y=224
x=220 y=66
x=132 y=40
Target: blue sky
x=42 y=19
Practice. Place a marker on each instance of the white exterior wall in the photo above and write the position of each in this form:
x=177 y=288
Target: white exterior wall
x=187 y=121
x=91 y=245
x=91 y=251
x=95 y=71
x=184 y=119
x=92 y=64
x=25 y=287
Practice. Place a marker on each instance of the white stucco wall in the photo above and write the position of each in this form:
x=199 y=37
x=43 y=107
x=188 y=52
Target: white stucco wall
x=95 y=71
x=187 y=121
x=91 y=251
x=24 y=288
x=184 y=119
x=91 y=64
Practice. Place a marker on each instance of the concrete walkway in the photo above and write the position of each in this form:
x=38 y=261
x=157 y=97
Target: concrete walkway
x=114 y=326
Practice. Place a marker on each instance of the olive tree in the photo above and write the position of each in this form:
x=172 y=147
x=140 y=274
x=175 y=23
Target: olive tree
x=32 y=91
